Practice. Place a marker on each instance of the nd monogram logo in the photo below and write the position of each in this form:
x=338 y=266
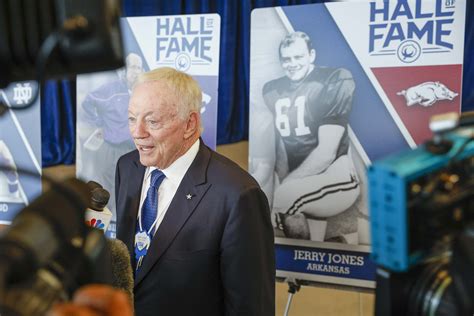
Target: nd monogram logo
x=22 y=93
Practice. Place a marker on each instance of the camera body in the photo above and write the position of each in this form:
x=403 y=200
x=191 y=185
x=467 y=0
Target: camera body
x=418 y=201
x=90 y=38
x=421 y=212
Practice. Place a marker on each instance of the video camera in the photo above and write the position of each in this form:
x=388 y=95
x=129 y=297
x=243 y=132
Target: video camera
x=51 y=39
x=64 y=37
x=48 y=251
x=421 y=213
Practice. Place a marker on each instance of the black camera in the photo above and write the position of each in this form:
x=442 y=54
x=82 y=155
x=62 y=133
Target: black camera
x=421 y=210
x=48 y=252
x=67 y=37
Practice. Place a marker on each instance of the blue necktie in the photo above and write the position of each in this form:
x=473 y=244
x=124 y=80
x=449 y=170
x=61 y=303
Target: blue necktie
x=150 y=205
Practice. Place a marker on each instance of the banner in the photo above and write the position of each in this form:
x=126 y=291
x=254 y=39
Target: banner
x=20 y=150
x=330 y=94
x=189 y=43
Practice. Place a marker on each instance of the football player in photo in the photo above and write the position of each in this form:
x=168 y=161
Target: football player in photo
x=315 y=177
x=9 y=180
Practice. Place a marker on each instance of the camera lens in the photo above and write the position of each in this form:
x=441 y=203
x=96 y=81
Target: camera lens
x=432 y=293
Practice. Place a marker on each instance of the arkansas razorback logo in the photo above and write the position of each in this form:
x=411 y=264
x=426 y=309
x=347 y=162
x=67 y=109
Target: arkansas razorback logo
x=427 y=93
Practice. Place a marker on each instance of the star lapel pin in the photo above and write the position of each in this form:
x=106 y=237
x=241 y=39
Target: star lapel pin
x=189 y=196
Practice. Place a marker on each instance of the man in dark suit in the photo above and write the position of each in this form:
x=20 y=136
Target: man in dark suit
x=207 y=249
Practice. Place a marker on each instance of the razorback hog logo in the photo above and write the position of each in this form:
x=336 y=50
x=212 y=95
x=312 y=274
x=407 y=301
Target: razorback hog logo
x=427 y=93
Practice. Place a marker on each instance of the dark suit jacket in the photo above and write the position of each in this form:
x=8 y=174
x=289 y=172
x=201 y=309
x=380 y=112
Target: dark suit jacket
x=213 y=254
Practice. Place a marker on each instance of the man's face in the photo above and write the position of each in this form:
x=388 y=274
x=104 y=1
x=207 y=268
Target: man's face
x=297 y=60
x=156 y=128
x=134 y=68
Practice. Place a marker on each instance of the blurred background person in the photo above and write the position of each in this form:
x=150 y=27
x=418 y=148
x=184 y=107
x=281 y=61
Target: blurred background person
x=103 y=130
x=9 y=180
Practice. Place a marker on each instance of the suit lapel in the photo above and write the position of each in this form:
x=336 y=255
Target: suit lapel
x=194 y=184
x=134 y=183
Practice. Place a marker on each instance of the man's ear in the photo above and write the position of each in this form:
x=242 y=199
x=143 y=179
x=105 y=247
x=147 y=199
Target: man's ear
x=312 y=55
x=192 y=125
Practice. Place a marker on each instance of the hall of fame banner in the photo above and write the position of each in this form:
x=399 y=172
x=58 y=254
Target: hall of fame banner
x=20 y=150
x=402 y=61
x=189 y=43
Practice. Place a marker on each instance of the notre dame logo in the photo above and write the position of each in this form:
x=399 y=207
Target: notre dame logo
x=22 y=93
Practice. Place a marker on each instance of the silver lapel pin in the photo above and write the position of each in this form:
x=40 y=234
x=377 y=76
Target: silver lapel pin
x=189 y=196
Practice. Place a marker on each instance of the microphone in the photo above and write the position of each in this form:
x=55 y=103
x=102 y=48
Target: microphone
x=122 y=274
x=97 y=214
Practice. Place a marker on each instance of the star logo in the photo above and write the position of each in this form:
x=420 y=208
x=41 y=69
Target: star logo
x=189 y=196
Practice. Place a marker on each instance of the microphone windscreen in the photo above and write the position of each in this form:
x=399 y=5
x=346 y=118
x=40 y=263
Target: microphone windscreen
x=122 y=274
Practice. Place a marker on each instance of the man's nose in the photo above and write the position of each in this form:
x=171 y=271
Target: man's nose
x=292 y=63
x=138 y=130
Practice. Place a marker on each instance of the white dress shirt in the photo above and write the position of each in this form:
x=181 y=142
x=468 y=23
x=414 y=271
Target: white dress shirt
x=174 y=175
